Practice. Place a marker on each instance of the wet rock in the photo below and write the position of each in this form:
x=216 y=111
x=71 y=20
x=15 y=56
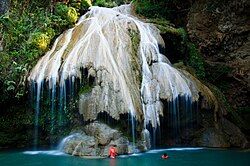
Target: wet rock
x=219 y=133
x=144 y=144
x=121 y=145
x=97 y=139
x=102 y=132
x=212 y=137
x=233 y=134
x=226 y=135
x=80 y=144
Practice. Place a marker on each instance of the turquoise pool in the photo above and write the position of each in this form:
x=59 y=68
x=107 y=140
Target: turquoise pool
x=177 y=157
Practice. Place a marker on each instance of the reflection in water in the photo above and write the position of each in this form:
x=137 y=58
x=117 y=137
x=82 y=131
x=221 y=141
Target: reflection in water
x=112 y=162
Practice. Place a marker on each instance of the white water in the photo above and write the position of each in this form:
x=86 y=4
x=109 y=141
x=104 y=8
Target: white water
x=66 y=139
x=47 y=152
x=175 y=149
x=60 y=153
x=101 y=42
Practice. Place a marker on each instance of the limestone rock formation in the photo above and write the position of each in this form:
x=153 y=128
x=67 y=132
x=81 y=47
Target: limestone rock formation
x=103 y=133
x=116 y=59
x=225 y=135
x=79 y=144
x=96 y=141
x=113 y=61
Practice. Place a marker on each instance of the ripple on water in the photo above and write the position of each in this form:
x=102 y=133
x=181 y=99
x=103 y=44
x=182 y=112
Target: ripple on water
x=173 y=149
x=48 y=152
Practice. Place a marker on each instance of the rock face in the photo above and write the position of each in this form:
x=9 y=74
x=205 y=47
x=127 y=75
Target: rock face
x=96 y=141
x=79 y=144
x=103 y=133
x=221 y=30
x=225 y=134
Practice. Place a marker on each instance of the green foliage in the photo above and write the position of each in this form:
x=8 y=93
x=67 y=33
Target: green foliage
x=174 y=10
x=166 y=28
x=105 y=3
x=27 y=31
x=85 y=4
x=50 y=32
x=85 y=89
x=61 y=9
x=182 y=33
x=68 y=13
x=18 y=51
x=162 y=24
x=72 y=15
x=80 y=5
x=151 y=9
x=16 y=127
x=196 y=61
x=40 y=40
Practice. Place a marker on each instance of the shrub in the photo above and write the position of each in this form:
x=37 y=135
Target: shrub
x=40 y=40
x=72 y=15
x=86 y=3
x=195 y=60
x=151 y=9
x=27 y=31
x=68 y=13
x=50 y=33
x=61 y=9
x=105 y=3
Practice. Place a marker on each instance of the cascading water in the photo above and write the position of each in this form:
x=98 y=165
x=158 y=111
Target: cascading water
x=129 y=77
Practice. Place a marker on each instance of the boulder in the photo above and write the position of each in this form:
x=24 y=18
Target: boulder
x=121 y=145
x=144 y=144
x=79 y=144
x=102 y=132
x=211 y=137
x=98 y=138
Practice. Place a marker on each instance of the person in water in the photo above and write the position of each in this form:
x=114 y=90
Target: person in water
x=112 y=152
x=164 y=156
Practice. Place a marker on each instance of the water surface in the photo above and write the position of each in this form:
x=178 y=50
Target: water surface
x=177 y=157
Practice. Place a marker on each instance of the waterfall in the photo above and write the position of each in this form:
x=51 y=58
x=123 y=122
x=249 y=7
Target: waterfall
x=124 y=80
x=66 y=139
